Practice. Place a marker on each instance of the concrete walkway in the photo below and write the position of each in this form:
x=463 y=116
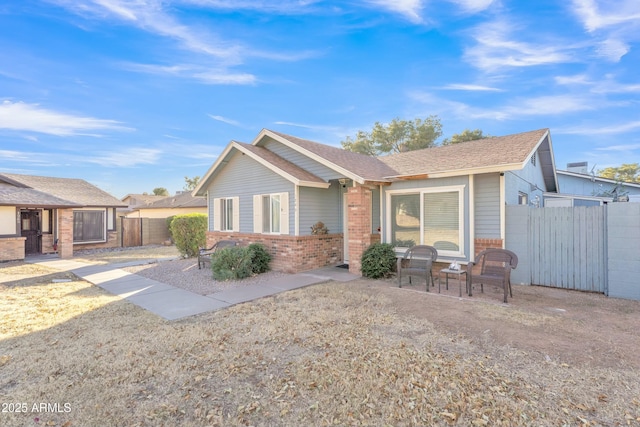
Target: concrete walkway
x=174 y=303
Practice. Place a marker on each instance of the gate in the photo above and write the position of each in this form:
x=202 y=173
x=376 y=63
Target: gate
x=131 y=232
x=559 y=247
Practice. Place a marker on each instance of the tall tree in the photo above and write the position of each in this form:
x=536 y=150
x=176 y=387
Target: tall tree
x=464 y=136
x=396 y=137
x=160 y=191
x=191 y=183
x=627 y=172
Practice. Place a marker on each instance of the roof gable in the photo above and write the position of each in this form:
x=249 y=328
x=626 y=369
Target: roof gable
x=358 y=167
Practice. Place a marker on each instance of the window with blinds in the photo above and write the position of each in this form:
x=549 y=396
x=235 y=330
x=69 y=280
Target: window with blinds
x=441 y=220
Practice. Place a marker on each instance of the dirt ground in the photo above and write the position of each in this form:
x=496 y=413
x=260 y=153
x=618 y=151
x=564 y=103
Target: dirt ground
x=565 y=325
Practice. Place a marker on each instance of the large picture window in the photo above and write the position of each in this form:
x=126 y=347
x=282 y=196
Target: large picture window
x=428 y=217
x=89 y=226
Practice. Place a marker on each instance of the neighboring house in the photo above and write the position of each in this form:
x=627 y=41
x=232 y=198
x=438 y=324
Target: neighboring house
x=453 y=197
x=165 y=206
x=580 y=188
x=135 y=200
x=41 y=214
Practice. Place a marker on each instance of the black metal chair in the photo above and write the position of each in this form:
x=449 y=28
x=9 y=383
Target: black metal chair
x=495 y=267
x=417 y=260
x=205 y=254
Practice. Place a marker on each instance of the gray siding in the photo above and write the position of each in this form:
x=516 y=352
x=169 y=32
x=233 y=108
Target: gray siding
x=487 y=206
x=529 y=180
x=319 y=204
x=301 y=160
x=244 y=177
x=586 y=187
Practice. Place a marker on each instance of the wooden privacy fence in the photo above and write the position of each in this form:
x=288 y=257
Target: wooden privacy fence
x=593 y=248
x=142 y=231
x=559 y=247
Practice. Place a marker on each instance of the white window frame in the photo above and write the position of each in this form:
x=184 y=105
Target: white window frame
x=421 y=192
x=258 y=213
x=221 y=220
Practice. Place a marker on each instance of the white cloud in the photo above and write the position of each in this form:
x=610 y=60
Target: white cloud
x=224 y=120
x=202 y=73
x=410 y=9
x=612 y=49
x=472 y=88
x=126 y=157
x=473 y=6
x=20 y=116
x=497 y=47
x=599 y=15
x=622 y=148
x=602 y=130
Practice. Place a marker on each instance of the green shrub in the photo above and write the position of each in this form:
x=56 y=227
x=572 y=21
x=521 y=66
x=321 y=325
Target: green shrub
x=378 y=260
x=189 y=233
x=231 y=263
x=260 y=258
x=168 y=222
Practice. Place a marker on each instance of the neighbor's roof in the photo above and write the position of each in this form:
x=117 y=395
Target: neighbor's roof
x=136 y=200
x=180 y=200
x=499 y=153
x=76 y=192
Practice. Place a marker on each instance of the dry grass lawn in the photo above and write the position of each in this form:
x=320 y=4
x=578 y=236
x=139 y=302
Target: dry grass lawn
x=331 y=354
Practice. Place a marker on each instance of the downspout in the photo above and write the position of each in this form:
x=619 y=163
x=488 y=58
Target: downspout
x=502 y=210
x=381 y=222
x=296 y=210
x=472 y=218
x=605 y=238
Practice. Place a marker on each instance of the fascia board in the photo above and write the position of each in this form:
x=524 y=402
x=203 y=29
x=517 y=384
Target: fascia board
x=313 y=156
x=199 y=190
x=279 y=171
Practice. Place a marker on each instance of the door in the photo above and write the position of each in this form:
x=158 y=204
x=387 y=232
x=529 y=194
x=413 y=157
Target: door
x=30 y=228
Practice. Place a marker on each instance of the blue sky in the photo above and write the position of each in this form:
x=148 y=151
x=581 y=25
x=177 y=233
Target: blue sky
x=137 y=94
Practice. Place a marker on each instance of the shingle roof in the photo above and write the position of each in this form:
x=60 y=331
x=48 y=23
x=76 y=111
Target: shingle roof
x=141 y=199
x=505 y=151
x=280 y=163
x=181 y=200
x=76 y=191
x=366 y=167
x=11 y=195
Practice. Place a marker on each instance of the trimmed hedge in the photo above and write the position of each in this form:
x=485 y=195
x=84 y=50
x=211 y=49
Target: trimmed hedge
x=260 y=258
x=378 y=260
x=189 y=233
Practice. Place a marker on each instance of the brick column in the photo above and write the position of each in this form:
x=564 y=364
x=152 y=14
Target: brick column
x=359 y=223
x=65 y=233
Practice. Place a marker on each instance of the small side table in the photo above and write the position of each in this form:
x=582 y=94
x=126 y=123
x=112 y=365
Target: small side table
x=447 y=272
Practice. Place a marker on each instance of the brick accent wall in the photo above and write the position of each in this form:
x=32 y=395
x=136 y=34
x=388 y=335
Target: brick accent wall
x=482 y=244
x=12 y=248
x=65 y=233
x=359 y=223
x=112 y=242
x=290 y=254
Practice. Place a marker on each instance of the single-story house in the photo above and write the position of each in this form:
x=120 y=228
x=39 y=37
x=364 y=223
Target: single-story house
x=275 y=189
x=582 y=188
x=40 y=214
x=183 y=202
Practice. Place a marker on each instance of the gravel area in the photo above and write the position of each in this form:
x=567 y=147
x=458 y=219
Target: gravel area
x=184 y=273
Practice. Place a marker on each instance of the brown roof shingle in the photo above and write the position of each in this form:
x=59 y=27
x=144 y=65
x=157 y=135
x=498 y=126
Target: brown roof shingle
x=366 y=167
x=482 y=153
x=76 y=191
